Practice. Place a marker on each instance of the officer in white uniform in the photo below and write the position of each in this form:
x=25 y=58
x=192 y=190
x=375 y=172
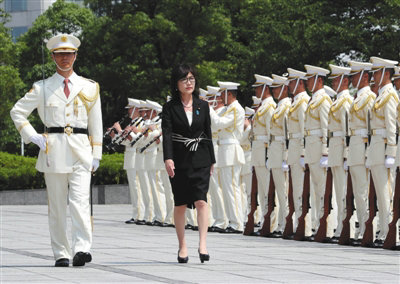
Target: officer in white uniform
x=277 y=151
x=362 y=103
x=230 y=155
x=69 y=107
x=217 y=200
x=382 y=150
x=130 y=159
x=316 y=130
x=338 y=151
x=261 y=126
x=296 y=118
x=246 y=173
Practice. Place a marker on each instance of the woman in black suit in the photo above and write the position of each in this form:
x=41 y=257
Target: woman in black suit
x=188 y=155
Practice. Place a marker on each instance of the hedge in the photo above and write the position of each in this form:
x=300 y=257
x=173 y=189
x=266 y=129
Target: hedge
x=18 y=172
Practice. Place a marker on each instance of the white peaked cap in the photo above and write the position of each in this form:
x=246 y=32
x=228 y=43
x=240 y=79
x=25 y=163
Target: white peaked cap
x=329 y=91
x=249 y=112
x=143 y=105
x=262 y=80
x=296 y=74
x=314 y=70
x=154 y=105
x=359 y=66
x=63 y=43
x=279 y=81
x=378 y=63
x=396 y=74
x=338 y=71
x=228 y=86
x=203 y=93
x=256 y=101
x=213 y=91
x=133 y=103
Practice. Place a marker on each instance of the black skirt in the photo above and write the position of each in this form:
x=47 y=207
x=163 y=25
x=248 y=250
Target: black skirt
x=189 y=185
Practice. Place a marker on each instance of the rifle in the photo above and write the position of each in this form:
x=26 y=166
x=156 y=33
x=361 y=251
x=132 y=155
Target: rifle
x=320 y=236
x=135 y=122
x=147 y=130
x=266 y=228
x=368 y=237
x=390 y=241
x=108 y=132
x=249 y=230
x=151 y=142
x=344 y=238
x=301 y=227
x=288 y=231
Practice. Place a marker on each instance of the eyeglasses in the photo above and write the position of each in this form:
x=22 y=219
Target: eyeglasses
x=187 y=80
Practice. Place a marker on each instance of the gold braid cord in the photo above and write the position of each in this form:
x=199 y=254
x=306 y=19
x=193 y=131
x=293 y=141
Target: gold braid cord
x=87 y=100
x=234 y=117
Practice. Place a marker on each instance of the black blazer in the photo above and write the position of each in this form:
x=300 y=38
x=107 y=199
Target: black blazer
x=174 y=120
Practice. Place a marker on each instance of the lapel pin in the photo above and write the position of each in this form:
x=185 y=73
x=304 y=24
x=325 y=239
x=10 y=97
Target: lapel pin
x=198 y=111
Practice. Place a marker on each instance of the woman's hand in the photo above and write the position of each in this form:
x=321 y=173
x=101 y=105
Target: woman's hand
x=212 y=169
x=170 y=167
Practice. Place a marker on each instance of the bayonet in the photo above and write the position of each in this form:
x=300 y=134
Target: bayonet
x=369 y=131
x=285 y=129
x=347 y=136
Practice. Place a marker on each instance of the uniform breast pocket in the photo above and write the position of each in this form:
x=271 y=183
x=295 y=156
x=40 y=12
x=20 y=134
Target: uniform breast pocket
x=54 y=112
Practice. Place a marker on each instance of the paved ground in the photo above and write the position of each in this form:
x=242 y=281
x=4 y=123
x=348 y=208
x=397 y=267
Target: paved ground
x=130 y=253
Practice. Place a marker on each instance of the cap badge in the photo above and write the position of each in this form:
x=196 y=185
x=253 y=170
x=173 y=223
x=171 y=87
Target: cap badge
x=64 y=39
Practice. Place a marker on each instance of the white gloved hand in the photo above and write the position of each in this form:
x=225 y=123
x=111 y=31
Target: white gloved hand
x=285 y=167
x=345 y=166
x=323 y=162
x=95 y=164
x=39 y=140
x=302 y=164
x=389 y=162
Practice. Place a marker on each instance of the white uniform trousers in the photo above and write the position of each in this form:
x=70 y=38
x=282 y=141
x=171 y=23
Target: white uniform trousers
x=230 y=182
x=169 y=197
x=191 y=217
x=382 y=184
x=318 y=180
x=157 y=191
x=135 y=194
x=262 y=174
x=79 y=207
x=145 y=188
x=281 y=190
x=339 y=179
x=217 y=207
x=359 y=180
x=297 y=173
x=245 y=186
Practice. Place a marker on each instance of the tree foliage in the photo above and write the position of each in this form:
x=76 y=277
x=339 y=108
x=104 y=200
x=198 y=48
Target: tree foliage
x=130 y=46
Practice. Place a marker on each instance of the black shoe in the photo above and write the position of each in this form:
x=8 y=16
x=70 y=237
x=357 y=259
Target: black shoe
x=355 y=243
x=210 y=229
x=130 y=221
x=182 y=259
x=81 y=258
x=276 y=234
x=158 y=223
x=231 y=230
x=188 y=227
x=217 y=229
x=140 y=222
x=195 y=228
x=256 y=234
x=150 y=223
x=257 y=225
x=203 y=257
x=169 y=225
x=309 y=239
x=288 y=237
x=378 y=243
x=62 y=262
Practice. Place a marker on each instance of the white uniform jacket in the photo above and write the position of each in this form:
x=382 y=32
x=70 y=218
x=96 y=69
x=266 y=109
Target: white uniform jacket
x=82 y=109
x=231 y=125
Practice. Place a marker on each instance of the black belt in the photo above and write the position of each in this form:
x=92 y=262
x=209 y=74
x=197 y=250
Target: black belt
x=67 y=130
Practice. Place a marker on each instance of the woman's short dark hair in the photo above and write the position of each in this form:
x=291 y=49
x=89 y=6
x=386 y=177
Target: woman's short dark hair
x=178 y=73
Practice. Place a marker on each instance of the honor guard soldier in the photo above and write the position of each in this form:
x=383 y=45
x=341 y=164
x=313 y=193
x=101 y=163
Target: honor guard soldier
x=296 y=119
x=362 y=104
x=69 y=107
x=130 y=160
x=338 y=131
x=245 y=174
x=396 y=79
x=218 y=210
x=316 y=130
x=230 y=155
x=277 y=150
x=382 y=150
x=261 y=125
x=150 y=156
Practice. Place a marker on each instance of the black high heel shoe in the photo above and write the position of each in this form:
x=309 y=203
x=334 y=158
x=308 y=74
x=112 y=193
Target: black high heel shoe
x=203 y=257
x=182 y=259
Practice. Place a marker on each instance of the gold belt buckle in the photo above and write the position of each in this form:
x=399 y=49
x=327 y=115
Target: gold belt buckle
x=68 y=130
